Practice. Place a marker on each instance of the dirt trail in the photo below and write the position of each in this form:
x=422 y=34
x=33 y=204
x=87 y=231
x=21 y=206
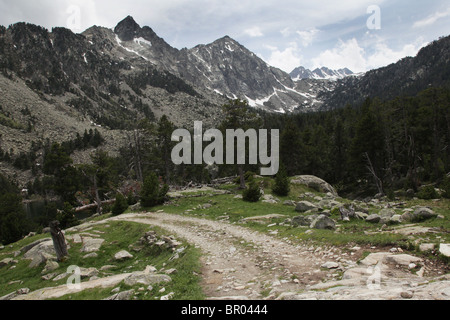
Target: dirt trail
x=239 y=262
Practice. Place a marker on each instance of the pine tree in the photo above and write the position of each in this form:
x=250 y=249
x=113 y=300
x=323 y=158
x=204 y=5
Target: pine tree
x=282 y=183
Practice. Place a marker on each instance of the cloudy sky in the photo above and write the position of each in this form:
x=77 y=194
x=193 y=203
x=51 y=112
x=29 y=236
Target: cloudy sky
x=357 y=34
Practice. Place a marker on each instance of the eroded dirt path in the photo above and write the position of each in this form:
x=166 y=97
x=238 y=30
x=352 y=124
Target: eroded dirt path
x=239 y=262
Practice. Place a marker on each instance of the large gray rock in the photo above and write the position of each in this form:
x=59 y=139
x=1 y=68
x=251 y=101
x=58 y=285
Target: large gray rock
x=403 y=259
x=315 y=183
x=123 y=255
x=386 y=213
x=91 y=245
x=144 y=278
x=304 y=221
x=373 y=218
x=323 y=222
x=40 y=253
x=444 y=249
x=121 y=296
x=304 y=206
x=422 y=214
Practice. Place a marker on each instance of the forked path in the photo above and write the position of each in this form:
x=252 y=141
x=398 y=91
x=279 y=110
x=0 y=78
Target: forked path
x=239 y=262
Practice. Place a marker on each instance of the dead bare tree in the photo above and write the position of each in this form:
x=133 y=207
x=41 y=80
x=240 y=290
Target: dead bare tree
x=371 y=169
x=59 y=242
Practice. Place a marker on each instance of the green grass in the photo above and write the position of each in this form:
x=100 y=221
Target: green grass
x=118 y=236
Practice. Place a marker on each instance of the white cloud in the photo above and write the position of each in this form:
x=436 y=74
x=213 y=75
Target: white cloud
x=254 y=32
x=431 y=19
x=307 y=37
x=352 y=55
x=287 y=59
x=345 y=55
x=384 y=55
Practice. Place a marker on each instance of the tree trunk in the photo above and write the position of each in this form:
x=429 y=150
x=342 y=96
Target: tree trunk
x=59 y=241
x=241 y=176
x=97 y=196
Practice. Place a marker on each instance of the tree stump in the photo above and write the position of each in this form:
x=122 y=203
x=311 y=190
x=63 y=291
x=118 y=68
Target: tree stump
x=59 y=242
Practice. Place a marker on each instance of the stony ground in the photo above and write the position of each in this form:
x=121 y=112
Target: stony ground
x=265 y=267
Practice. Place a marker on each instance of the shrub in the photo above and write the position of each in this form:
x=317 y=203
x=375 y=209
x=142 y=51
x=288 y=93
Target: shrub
x=153 y=193
x=428 y=193
x=120 y=205
x=445 y=185
x=282 y=184
x=252 y=193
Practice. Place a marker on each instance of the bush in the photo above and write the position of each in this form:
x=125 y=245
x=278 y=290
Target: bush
x=252 y=193
x=153 y=193
x=66 y=217
x=120 y=205
x=445 y=185
x=428 y=193
x=282 y=185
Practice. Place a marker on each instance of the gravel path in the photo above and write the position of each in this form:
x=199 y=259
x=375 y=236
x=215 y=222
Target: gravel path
x=239 y=262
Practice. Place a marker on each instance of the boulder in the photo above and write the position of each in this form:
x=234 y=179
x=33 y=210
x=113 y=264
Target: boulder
x=422 y=214
x=290 y=203
x=403 y=259
x=304 y=206
x=304 y=221
x=444 y=249
x=125 y=295
x=40 y=253
x=7 y=261
x=373 y=218
x=395 y=219
x=146 y=279
x=91 y=245
x=386 y=213
x=330 y=265
x=426 y=247
x=323 y=222
x=315 y=183
x=123 y=255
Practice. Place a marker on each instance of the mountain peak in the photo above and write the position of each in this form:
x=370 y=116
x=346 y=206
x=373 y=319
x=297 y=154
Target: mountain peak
x=127 y=29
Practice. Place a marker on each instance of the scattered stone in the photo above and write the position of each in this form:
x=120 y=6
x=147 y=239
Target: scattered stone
x=50 y=266
x=315 y=183
x=7 y=261
x=386 y=213
x=407 y=295
x=125 y=295
x=304 y=206
x=330 y=265
x=107 y=267
x=422 y=214
x=168 y=297
x=61 y=276
x=444 y=249
x=91 y=245
x=395 y=219
x=403 y=259
x=304 y=221
x=88 y=272
x=323 y=222
x=146 y=278
x=373 y=218
x=426 y=247
x=170 y=271
x=122 y=255
x=207 y=206
x=290 y=203
x=91 y=255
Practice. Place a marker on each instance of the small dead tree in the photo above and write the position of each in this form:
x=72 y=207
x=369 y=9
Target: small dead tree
x=59 y=242
x=370 y=167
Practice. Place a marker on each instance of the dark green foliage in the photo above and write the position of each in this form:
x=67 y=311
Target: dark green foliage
x=14 y=223
x=66 y=216
x=282 y=183
x=120 y=205
x=160 y=79
x=445 y=185
x=428 y=193
x=153 y=193
x=253 y=192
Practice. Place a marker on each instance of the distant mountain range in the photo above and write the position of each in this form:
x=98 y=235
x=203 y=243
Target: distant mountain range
x=323 y=73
